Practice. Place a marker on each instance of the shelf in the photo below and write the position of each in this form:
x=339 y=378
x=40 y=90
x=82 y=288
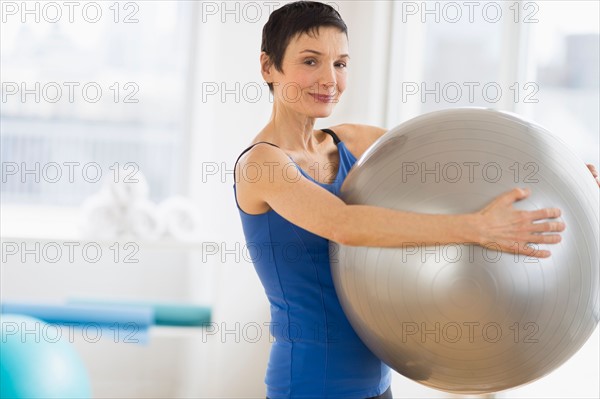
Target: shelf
x=161 y=244
x=60 y=224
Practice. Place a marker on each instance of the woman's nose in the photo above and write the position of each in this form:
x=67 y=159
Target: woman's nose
x=327 y=78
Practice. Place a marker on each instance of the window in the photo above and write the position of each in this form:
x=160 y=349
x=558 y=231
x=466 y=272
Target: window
x=565 y=64
x=462 y=59
x=538 y=59
x=448 y=54
x=107 y=90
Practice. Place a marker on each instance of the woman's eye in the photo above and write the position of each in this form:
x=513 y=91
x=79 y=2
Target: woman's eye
x=314 y=62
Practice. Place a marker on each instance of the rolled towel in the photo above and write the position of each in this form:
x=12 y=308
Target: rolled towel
x=143 y=220
x=181 y=218
x=126 y=186
x=101 y=217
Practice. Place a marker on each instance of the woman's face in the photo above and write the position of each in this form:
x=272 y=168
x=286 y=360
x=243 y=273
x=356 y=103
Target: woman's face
x=314 y=73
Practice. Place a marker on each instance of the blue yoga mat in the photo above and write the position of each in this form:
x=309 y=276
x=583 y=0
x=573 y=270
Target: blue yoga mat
x=123 y=324
x=165 y=313
x=83 y=313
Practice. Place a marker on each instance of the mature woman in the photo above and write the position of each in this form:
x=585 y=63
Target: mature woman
x=290 y=208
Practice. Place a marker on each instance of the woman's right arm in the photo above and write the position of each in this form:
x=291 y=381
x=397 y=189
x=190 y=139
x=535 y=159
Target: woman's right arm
x=306 y=204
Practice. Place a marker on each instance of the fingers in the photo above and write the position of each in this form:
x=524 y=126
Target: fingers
x=546 y=227
x=544 y=213
x=516 y=194
x=530 y=250
x=594 y=171
x=537 y=230
x=526 y=247
x=523 y=226
x=545 y=238
x=523 y=248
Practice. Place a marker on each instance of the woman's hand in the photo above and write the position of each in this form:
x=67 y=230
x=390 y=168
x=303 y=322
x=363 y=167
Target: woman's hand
x=592 y=169
x=504 y=228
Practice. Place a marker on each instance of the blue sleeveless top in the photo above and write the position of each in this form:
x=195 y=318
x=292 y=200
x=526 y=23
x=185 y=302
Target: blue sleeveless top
x=316 y=353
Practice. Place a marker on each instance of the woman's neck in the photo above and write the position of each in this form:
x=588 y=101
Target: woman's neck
x=291 y=131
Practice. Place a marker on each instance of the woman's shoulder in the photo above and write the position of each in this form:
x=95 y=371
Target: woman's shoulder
x=258 y=165
x=357 y=137
x=258 y=147
x=260 y=151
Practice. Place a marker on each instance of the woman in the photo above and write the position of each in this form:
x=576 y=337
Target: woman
x=287 y=187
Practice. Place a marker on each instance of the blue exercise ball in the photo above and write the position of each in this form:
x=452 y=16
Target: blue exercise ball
x=37 y=361
x=463 y=318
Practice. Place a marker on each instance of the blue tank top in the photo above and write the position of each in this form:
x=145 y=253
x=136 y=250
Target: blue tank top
x=315 y=353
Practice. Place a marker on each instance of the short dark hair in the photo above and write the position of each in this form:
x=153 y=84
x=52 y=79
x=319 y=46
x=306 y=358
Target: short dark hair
x=294 y=19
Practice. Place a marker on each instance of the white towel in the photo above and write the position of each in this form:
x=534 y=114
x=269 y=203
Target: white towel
x=127 y=186
x=181 y=218
x=102 y=217
x=143 y=220
x=122 y=208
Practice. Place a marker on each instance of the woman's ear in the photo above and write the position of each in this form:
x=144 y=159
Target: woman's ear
x=266 y=67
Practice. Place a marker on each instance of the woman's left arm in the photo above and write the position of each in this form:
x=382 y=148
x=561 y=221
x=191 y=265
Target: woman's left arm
x=592 y=169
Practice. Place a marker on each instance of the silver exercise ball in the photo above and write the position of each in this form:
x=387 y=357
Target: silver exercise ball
x=463 y=318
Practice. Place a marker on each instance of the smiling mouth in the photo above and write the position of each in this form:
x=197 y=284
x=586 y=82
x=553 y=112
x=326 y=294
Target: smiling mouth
x=323 y=98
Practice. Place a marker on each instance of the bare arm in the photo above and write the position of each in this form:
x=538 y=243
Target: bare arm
x=315 y=209
x=365 y=225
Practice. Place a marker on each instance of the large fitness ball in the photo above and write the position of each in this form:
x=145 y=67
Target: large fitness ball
x=463 y=318
x=38 y=362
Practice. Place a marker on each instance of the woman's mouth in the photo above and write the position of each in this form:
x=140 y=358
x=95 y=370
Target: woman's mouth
x=323 y=98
